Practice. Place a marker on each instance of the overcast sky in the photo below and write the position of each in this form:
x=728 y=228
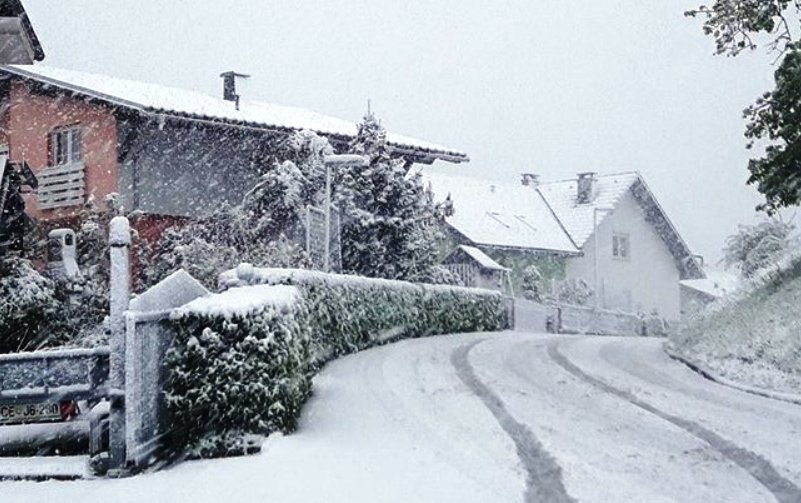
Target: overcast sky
x=541 y=86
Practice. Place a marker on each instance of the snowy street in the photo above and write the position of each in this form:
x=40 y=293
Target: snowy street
x=498 y=417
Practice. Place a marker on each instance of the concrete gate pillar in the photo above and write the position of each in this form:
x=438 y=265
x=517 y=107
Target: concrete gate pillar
x=119 y=293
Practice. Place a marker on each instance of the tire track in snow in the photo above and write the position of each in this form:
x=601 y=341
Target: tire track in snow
x=784 y=490
x=544 y=480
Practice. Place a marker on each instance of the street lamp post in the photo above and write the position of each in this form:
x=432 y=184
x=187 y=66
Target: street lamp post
x=331 y=162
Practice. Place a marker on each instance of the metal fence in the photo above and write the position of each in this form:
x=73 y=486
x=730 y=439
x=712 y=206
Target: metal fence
x=147 y=338
x=67 y=374
x=532 y=316
x=573 y=319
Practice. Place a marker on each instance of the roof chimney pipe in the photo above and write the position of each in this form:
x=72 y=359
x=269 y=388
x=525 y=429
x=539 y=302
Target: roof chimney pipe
x=530 y=179
x=585 y=188
x=229 y=86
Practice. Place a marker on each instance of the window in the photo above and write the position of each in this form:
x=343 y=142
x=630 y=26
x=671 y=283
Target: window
x=65 y=146
x=620 y=246
x=62 y=183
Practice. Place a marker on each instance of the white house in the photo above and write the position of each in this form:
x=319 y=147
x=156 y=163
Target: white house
x=610 y=230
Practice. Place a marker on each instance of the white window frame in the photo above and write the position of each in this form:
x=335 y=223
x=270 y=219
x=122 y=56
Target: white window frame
x=63 y=182
x=621 y=246
x=73 y=143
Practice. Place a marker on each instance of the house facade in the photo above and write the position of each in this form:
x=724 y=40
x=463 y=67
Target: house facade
x=169 y=153
x=609 y=231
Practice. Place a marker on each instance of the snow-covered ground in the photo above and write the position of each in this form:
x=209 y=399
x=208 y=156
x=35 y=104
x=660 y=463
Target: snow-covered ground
x=751 y=336
x=497 y=418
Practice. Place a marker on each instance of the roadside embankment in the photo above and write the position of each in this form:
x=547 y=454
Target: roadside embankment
x=754 y=337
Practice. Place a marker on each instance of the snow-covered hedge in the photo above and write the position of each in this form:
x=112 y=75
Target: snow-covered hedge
x=243 y=359
x=240 y=364
x=348 y=313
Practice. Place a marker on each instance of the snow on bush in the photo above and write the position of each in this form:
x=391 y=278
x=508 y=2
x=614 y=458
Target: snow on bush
x=240 y=364
x=573 y=291
x=753 y=336
x=352 y=312
x=266 y=227
x=391 y=225
x=243 y=360
x=756 y=247
x=28 y=303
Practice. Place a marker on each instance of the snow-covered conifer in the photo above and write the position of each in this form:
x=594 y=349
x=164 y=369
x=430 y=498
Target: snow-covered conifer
x=390 y=227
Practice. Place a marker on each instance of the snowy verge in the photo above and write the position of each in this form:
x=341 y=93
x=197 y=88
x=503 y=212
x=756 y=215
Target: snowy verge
x=752 y=337
x=44 y=468
x=714 y=376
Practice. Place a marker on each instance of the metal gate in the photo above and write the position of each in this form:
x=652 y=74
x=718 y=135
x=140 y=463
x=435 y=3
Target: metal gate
x=56 y=377
x=148 y=337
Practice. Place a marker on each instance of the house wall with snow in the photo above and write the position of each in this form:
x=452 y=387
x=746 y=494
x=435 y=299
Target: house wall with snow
x=30 y=119
x=183 y=170
x=169 y=152
x=647 y=279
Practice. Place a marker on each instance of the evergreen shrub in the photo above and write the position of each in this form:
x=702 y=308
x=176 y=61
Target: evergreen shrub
x=28 y=305
x=234 y=374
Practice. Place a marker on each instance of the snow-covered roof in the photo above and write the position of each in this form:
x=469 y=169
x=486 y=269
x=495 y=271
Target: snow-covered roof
x=482 y=258
x=547 y=216
x=158 y=99
x=500 y=214
x=717 y=284
x=576 y=218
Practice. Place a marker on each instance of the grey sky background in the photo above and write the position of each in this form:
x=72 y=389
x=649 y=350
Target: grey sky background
x=547 y=86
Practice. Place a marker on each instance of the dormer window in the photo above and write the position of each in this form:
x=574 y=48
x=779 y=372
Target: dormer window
x=66 y=146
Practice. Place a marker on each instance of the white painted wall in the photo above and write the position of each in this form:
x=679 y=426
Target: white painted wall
x=648 y=280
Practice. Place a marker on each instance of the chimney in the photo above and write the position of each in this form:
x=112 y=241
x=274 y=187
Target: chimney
x=229 y=86
x=586 y=188
x=530 y=179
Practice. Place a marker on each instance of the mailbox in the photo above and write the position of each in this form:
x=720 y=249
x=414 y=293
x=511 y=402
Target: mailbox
x=61 y=254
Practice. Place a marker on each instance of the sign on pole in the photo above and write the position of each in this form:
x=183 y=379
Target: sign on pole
x=316 y=238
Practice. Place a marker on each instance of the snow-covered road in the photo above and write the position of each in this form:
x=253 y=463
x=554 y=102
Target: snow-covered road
x=498 y=417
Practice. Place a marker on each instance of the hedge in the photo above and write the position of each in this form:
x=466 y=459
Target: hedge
x=243 y=360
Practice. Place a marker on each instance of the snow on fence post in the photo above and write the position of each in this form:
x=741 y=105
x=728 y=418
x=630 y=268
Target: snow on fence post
x=148 y=337
x=119 y=286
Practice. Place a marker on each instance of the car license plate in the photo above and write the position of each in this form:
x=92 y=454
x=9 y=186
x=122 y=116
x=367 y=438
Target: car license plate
x=29 y=413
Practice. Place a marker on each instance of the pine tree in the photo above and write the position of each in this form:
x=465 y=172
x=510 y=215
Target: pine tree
x=390 y=224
